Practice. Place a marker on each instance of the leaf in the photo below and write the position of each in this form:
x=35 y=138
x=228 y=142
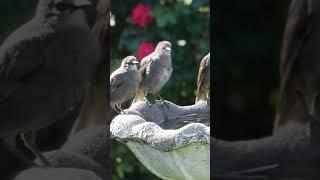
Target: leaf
x=187 y=2
x=164 y=16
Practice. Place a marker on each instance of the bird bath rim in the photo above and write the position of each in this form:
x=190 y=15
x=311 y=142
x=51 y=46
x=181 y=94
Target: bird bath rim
x=179 y=154
x=126 y=128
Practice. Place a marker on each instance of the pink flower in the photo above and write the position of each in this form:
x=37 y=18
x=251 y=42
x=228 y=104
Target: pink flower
x=144 y=50
x=141 y=15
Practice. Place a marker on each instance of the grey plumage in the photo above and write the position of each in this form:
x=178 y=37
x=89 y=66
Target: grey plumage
x=46 y=66
x=91 y=142
x=85 y=150
x=66 y=159
x=155 y=70
x=299 y=62
x=124 y=82
x=93 y=110
x=203 y=81
x=57 y=173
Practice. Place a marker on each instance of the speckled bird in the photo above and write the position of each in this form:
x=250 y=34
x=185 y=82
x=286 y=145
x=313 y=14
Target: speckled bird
x=203 y=81
x=124 y=83
x=155 y=70
x=46 y=67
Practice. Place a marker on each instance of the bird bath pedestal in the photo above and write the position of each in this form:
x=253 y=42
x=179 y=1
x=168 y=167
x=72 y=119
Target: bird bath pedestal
x=171 y=153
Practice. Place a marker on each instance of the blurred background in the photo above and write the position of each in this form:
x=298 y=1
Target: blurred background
x=13 y=14
x=247 y=38
x=136 y=28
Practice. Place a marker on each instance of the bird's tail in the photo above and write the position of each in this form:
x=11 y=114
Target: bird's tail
x=139 y=96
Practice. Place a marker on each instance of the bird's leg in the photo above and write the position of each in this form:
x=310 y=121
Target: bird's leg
x=115 y=109
x=147 y=101
x=120 y=108
x=28 y=139
x=162 y=101
x=10 y=143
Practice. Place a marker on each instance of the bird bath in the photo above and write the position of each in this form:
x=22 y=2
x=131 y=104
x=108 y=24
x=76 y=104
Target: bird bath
x=165 y=149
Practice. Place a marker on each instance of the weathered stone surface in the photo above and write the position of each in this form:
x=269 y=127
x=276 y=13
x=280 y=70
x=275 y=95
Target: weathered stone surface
x=182 y=153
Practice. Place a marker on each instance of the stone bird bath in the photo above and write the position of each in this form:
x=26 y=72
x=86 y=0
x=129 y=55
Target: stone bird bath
x=167 y=139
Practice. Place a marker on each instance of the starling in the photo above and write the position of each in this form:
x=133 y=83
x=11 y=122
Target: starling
x=46 y=66
x=203 y=82
x=299 y=62
x=124 y=82
x=155 y=70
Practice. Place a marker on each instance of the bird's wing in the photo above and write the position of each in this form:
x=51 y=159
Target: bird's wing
x=297 y=31
x=144 y=67
x=203 y=70
x=143 y=70
x=146 y=62
x=19 y=64
x=151 y=64
x=204 y=66
x=117 y=79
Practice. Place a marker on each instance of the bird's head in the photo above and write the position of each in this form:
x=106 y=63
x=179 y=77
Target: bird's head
x=60 y=7
x=164 y=48
x=207 y=59
x=207 y=56
x=130 y=63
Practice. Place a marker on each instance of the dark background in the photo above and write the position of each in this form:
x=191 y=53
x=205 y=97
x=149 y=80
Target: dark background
x=246 y=43
x=13 y=14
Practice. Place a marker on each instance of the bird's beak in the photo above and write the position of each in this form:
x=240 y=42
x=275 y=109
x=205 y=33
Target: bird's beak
x=136 y=62
x=168 y=49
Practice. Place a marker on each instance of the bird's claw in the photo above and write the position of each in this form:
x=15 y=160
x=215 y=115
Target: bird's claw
x=44 y=161
x=29 y=142
x=147 y=101
x=163 y=102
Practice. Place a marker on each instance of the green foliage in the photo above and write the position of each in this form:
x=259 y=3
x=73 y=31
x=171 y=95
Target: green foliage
x=125 y=165
x=174 y=20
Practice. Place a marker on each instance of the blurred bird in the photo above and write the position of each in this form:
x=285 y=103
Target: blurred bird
x=203 y=82
x=46 y=66
x=299 y=61
x=85 y=150
x=93 y=110
x=124 y=82
x=155 y=70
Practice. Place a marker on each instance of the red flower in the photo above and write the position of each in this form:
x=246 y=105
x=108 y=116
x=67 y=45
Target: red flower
x=141 y=15
x=144 y=50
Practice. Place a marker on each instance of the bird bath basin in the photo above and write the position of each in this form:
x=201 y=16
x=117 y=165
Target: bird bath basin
x=172 y=153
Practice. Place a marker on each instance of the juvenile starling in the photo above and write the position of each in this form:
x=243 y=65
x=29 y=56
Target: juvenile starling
x=203 y=82
x=155 y=70
x=124 y=82
x=299 y=62
x=46 y=66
